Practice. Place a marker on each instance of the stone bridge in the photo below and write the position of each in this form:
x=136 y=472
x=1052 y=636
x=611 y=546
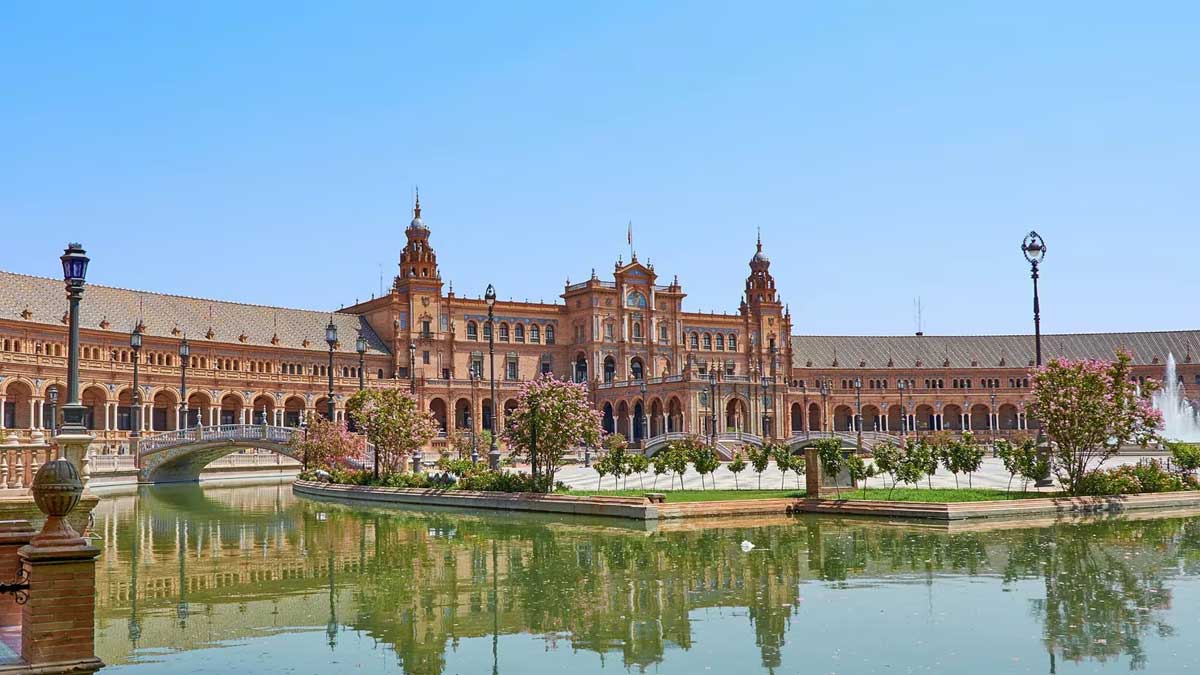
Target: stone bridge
x=178 y=456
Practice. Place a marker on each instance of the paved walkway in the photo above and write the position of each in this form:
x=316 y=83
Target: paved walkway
x=991 y=475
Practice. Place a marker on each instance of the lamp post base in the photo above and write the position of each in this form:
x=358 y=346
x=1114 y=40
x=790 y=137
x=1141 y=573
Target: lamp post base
x=494 y=460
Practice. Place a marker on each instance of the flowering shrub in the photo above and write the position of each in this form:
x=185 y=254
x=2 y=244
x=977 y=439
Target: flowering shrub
x=552 y=417
x=1090 y=408
x=1143 y=477
x=484 y=480
x=328 y=444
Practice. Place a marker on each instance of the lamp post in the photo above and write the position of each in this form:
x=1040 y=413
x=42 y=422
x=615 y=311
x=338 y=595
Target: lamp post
x=185 y=351
x=645 y=415
x=712 y=403
x=360 y=346
x=825 y=405
x=902 y=384
x=804 y=421
x=993 y=417
x=475 y=377
x=331 y=339
x=304 y=428
x=53 y=393
x=1034 y=248
x=74 y=265
x=412 y=368
x=766 y=413
x=135 y=429
x=775 y=382
x=858 y=411
x=490 y=298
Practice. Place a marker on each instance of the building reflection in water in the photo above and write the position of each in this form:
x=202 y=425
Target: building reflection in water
x=186 y=568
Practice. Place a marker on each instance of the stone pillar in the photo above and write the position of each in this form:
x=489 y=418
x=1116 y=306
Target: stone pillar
x=2 y=407
x=812 y=474
x=13 y=535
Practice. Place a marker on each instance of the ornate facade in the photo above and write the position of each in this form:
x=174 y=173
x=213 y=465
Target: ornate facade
x=652 y=366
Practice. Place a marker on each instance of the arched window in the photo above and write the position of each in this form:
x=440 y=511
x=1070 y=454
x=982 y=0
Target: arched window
x=487 y=331
x=549 y=335
x=535 y=333
x=635 y=299
x=695 y=341
x=637 y=330
x=503 y=332
x=379 y=374
x=472 y=330
x=635 y=369
x=707 y=341
x=519 y=332
x=610 y=369
x=720 y=342
x=733 y=342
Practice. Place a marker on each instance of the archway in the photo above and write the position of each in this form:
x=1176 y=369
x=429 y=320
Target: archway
x=581 y=367
x=94 y=400
x=608 y=422
x=17 y=408
x=125 y=409
x=895 y=418
x=814 y=417
x=980 y=417
x=438 y=408
x=674 y=415
x=610 y=369
x=843 y=418
x=231 y=409
x=485 y=414
x=952 y=416
x=264 y=409
x=462 y=414
x=870 y=418
x=639 y=421
x=797 y=412
x=1008 y=416
x=736 y=415
x=320 y=407
x=293 y=411
x=637 y=369
x=623 y=420
x=925 y=418
x=199 y=410
x=163 y=412
x=656 y=418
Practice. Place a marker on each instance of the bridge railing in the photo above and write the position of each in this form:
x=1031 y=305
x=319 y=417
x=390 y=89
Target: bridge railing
x=223 y=432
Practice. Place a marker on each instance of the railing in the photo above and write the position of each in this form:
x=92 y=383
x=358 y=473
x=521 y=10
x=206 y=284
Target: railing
x=224 y=432
x=19 y=462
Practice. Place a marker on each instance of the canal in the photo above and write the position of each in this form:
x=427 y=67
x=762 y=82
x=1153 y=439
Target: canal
x=197 y=579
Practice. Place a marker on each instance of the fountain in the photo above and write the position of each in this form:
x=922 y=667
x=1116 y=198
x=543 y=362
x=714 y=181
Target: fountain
x=1180 y=422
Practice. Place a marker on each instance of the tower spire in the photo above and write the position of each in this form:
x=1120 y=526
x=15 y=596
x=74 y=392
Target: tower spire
x=760 y=238
x=417 y=201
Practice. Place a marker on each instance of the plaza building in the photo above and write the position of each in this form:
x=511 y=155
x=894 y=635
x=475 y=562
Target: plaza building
x=652 y=367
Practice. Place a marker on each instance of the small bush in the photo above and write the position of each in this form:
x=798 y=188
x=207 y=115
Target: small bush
x=1143 y=477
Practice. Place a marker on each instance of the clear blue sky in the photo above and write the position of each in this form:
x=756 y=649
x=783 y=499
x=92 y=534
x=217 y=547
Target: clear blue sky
x=266 y=153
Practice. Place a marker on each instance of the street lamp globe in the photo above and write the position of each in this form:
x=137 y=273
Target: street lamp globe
x=1034 y=248
x=74 y=264
x=135 y=338
x=331 y=337
x=858 y=383
x=53 y=394
x=184 y=349
x=360 y=345
x=489 y=296
x=712 y=376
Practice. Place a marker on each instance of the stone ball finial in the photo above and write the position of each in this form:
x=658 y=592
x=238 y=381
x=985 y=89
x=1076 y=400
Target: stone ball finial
x=56 y=490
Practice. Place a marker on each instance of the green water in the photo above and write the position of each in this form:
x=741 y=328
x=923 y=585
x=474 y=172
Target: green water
x=252 y=579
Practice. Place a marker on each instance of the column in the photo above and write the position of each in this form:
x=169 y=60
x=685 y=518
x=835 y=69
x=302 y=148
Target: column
x=966 y=421
x=41 y=414
x=107 y=409
x=2 y=408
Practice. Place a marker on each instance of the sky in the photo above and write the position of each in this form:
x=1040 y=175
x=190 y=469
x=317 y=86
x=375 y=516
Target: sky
x=267 y=152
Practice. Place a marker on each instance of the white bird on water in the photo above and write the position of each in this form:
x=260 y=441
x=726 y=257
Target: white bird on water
x=747 y=546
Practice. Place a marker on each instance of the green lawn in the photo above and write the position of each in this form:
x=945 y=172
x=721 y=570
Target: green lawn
x=939 y=495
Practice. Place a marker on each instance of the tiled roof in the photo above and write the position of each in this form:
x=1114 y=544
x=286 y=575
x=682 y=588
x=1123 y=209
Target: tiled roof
x=44 y=301
x=985 y=351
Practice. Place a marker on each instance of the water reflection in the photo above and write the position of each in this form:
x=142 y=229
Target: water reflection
x=186 y=568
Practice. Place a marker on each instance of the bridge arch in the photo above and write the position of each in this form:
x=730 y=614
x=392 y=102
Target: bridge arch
x=180 y=455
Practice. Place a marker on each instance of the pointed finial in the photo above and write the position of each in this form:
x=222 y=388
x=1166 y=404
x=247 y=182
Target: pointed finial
x=416 y=201
x=760 y=239
x=594 y=273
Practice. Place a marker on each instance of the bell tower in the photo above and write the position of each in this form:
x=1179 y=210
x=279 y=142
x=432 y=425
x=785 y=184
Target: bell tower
x=418 y=261
x=763 y=312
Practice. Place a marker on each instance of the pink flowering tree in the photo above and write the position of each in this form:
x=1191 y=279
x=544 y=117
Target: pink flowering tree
x=394 y=423
x=1088 y=409
x=552 y=417
x=328 y=444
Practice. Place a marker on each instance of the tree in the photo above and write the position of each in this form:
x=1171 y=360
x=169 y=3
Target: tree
x=784 y=460
x=393 y=422
x=970 y=456
x=921 y=459
x=678 y=453
x=638 y=463
x=706 y=461
x=614 y=460
x=829 y=454
x=1011 y=456
x=1185 y=456
x=601 y=466
x=659 y=462
x=328 y=444
x=735 y=467
x=759 y=459
x=1088 y=409
x=887 y=460
x=552 y=417
x=859 y=470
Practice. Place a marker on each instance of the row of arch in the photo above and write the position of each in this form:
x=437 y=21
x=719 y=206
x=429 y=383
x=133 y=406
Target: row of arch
x=721 y=341
x=517 y=334
x=923 y=417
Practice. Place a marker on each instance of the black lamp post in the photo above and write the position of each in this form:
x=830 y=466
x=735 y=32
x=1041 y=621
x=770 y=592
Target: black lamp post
x=858 y=421
x=74 y=264
x=825 y=404
x=53 y=393
x=712 y=403
x=1034 y=248
x=993 y=419
x=184 y=352
x=902 y=384
x=360 y=346
x=645 y=414
x=412 y=368
x=304 y=428
x=135 y=343
x=331 y=339
x=490 y=297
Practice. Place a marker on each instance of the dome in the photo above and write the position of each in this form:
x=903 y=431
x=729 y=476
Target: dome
x=760 y=257
x=417 y=224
